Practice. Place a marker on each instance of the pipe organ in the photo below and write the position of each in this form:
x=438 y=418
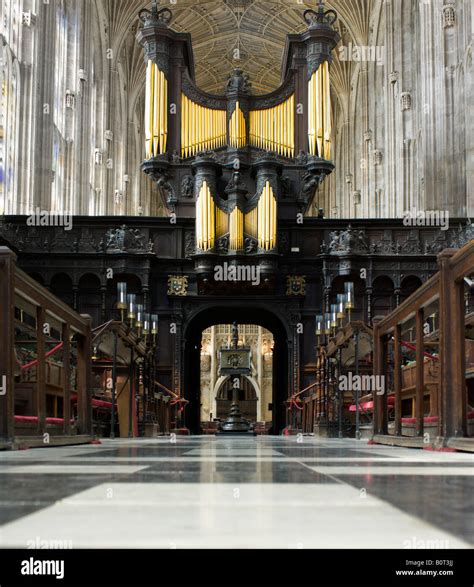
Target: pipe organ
x=156 y=111
x=222 y=222
x=239 y=163
x=201 y=128
x=237 y=128
x=236 y=232
x=205 y=218
x=273 y=129
x=319 y=113
x=266 y=219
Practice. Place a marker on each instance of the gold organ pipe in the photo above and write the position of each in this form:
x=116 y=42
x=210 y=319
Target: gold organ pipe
x=184 y=126
x=267 y=130
x=149 y=111
x=266 y=218
x=311 y=125
x=290 y=127
x=273 y=129
x=153 y=96
x=237 y=128
x=270 y=234
x=192 y=127
x=201 y=127
x=328 y=123
x=207 y=228
x=199 y=238
x=183 y=119
x=281 y=127
x=163 y=112
x=319 y=112
x=157 y=142
x=236 y=227
x=204 y=219
x=222 y=222
x=156 y=111
x=251 y=222
x=157 y=145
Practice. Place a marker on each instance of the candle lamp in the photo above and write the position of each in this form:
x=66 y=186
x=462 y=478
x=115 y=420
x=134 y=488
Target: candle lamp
x=139 y=320
x=319 y=327
x=349 y=293
x=341 y=308
x=333 y=318
x=154 y=326
x=132 y=308
x=327 y=324
x=146 y=325
x=122 y=298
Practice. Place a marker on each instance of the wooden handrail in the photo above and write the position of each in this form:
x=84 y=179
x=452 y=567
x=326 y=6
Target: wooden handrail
x=423 y=296
x=172 y=393
x=462 y=262
x=447 y=286
x=29 y=289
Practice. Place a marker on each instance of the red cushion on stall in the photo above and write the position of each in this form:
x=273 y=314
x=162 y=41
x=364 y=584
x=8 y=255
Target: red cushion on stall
x=369 y=406
x=34 y=420
x=426 y=420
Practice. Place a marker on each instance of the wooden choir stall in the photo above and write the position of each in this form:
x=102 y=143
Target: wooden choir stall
x=44 y=364
x=127 y=399
x=425 y=352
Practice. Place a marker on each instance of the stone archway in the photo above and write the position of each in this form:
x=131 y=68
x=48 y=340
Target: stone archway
x=284 y=365
x=249 y=401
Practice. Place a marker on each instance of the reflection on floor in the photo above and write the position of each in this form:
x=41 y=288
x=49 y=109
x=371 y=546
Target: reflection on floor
x=266 y=492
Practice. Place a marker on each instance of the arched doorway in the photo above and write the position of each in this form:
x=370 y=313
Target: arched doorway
x=258 y=315
x=247 y=399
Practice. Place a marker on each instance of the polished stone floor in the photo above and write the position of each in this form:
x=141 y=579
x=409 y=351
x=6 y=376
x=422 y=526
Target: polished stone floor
x=207 y=492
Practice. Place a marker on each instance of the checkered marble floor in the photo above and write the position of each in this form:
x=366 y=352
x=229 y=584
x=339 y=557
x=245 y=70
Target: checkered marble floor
x=265 y=492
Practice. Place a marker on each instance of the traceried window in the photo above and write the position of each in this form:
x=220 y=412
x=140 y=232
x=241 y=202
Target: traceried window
x=96 y=160
x=60 y=64
x=10 y=24
x=64 y=61
x=9 y=80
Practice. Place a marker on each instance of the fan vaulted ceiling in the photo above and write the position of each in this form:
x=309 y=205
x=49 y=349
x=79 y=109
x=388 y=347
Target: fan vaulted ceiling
x=257 y=28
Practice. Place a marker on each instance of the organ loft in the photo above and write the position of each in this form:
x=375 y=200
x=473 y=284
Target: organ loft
x=238 y=163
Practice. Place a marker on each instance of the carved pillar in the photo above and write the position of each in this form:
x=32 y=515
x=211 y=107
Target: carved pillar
x=75 y=291
x=103 y=304
x=145 y=293
x=369 y=292
x=396 y=293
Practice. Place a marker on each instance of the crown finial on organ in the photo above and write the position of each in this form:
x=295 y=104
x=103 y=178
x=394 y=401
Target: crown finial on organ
x=154 y=16
x=320 y=17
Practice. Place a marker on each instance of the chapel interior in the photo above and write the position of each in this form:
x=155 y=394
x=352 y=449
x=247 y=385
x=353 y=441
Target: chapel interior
x=236 y=250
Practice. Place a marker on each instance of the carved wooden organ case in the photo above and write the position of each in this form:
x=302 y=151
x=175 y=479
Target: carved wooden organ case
x=237 y=163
